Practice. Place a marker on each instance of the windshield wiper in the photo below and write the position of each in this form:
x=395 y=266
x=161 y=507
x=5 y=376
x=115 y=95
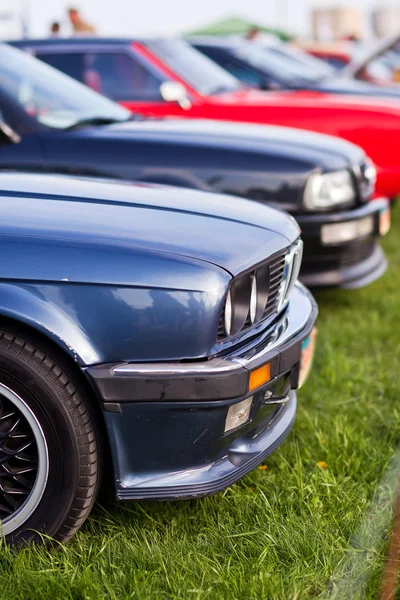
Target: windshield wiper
x=88 y=121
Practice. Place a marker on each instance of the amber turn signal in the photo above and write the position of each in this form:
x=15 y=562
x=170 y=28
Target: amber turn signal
x=259 y=377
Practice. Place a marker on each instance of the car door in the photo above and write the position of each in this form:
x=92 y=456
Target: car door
x=116 y=73
x=21 y=151
x=71 y=63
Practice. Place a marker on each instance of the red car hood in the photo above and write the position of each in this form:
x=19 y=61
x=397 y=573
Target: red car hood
x=371 y=123
x=304 y=98
x=259 y=97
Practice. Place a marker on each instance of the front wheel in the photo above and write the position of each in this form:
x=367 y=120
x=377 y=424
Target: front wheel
x=49 y=448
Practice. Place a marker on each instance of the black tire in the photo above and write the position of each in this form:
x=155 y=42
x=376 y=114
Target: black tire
x=56 y=416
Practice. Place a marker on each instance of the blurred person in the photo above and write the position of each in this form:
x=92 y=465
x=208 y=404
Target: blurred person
x=91 y=76
x=79 y=25
x=55 y=29
x=351 y=37
x=252 y=34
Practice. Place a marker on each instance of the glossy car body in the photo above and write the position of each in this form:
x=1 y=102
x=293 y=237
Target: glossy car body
x=262 y=67
x=141 y=67
x=129 y=283
x=63 y=127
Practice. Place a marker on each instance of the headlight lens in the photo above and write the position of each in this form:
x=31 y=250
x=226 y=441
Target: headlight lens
x=324 y=191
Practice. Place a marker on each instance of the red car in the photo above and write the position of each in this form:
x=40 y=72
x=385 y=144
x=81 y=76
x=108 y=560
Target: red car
x=337 y=54
x=167 y=77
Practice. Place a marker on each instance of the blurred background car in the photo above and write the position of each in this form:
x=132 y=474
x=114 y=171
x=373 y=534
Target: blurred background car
x=52 y=123
x=337 y=54
x=293 y=51
x=163 y=77
x=264 y=68
x=380 y=64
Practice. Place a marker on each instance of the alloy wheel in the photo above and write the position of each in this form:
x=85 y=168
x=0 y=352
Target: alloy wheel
x=24 y=462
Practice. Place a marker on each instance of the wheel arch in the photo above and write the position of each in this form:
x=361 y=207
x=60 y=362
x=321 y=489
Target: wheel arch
x=27 y=305
x=47 y=343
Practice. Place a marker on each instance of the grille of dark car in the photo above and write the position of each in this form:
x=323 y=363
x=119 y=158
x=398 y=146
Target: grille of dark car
x=276 y=268
x=357 y=253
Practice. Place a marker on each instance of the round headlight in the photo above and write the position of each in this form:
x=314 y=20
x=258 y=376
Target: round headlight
x=324 y=191
x=228 y=314
x=253 y=299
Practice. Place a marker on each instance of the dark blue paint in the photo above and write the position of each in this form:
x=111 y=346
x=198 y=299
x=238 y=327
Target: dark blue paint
x=119 y=272
x=172 y=449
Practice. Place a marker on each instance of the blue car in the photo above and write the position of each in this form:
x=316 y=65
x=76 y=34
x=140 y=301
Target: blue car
x=278 y=68
x=158 y=330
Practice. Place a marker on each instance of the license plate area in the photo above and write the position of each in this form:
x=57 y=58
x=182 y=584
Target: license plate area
x=347 y=231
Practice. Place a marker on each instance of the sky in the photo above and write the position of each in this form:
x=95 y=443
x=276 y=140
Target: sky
x=152 y=17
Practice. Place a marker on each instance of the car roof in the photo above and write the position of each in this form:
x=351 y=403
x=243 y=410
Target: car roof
x=78 y=40
x=218 y=41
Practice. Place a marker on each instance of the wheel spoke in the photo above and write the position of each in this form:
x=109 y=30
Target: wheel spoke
x=5 y=509
x=13 y=471
x=18 y=459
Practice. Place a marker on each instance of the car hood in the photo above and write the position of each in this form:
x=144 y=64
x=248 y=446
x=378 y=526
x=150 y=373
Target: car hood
x=353 y=87
x=101 y=219
x=326 y=151
x=311 y=98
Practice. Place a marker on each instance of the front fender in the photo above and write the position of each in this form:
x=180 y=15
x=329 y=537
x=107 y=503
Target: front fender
x=102 y=323
x=26 y=304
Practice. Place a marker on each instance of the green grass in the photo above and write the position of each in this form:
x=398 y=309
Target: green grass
x=291 y=531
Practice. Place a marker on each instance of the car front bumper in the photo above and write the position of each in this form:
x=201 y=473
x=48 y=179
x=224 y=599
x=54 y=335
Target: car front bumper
x=348 y=264
x=166 y=421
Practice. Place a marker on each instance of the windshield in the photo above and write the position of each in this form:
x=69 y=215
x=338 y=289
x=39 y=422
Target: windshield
x=381 y=66
x=279 y=65
x=50 y=97
x=198 y=71
x=319 y=67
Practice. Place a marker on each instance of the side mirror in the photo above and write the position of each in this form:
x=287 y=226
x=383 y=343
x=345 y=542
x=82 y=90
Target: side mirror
x=268 y=84
x=173 y=91
x=7 y=134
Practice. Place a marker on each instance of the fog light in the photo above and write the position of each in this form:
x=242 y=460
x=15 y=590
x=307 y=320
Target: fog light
x=238 y=414
x=338 y=233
